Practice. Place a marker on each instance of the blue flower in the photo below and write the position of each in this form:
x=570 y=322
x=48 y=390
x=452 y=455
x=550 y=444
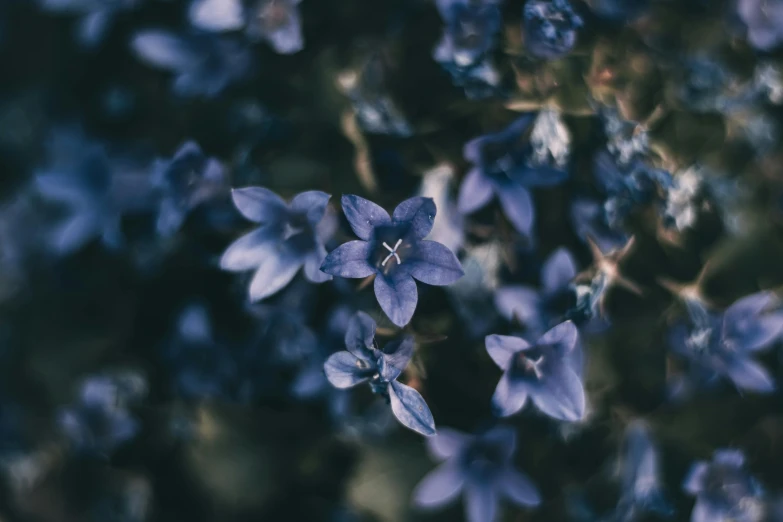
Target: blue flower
x=550 y=28
x=290 y=236
x=275 y=21
x=363 y=362
x=184 y=182
x=724 y=490
x=96 y=188
x=203 y=64
x=479 y=467
x=724 y=344
x=96 y=15
x=548 y=371
x=764 y=22
x=506 y=165
x=100 y=420
x=395 y=251
x=541 y=309
x=642 y=489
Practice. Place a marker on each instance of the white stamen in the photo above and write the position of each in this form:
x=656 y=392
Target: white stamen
x=392 y=252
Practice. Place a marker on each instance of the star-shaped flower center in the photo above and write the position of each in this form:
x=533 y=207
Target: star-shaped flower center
x=531 y=365
x=392 y=252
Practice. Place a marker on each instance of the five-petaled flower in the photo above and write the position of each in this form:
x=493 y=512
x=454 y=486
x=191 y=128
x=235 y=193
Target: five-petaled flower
x=724 y=344
x=290 y=236
x=395 y=251
x=363 y=362
x=480 y=467
x=504 y=165
x=548 y=371
x=724 y=490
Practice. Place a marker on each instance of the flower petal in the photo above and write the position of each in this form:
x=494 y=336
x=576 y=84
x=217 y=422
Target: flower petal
x=359 y=335
x=419 y=212
x=558 y=271
x=216 y=15
x=562 y=395
x=447 y=443
x=517 y=206
x=395 y=357
x=164 y=50
x=480 y=502
x=704 y=511
x=519 y=302
x=312 y=266
x=474 y=192
x=250 y=250
x=503 y=347
x=749 y=375
x=363 y=215
x=439 y=486
x=343 y=370
x=564 y=337
x=397 y=297
x=434 y=264
x=258 y=204
x=313 y=203
x=410 y=409
x=729 y=457
x=349 y=260
x=518 y=488
x=274 y=273
x=510 y=396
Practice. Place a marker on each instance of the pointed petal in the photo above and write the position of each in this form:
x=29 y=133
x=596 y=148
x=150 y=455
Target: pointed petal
x=313 y=203
x=564 y=336
x=519 y=302
x=258 y=204
x=349 y=260
x=434 y=264
x=397 y=297
x=164 y=50
x=419 y=212
x=250 y=250
x=517 y=206
x=519 y=488
x=74 y=233
x=562 y=396
x=395 y=358
x=474 y=192
x=410 y=409
x=440 y=486
x=503 y=347
x=343 y=370
x=510 y=396
x=312 y=266
x=363 y=215
x=480 y=502
x=359 y=335
x=750 y=375
x=558 y=271
x=274 y=273
x=447 y=443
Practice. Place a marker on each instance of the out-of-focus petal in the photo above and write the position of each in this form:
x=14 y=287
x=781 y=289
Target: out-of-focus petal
x=562 y=396
x=313 y=203
x=164 y=49
x=517 y=206
x=475 y=192
x=510 y=396
x=216 y=15
x=439 y=487
x=312 y=266
x=258 y=204
x=518 y=488
x=558 y=271
x=250 y=250
x=410 y=409
x=519 y=302
x=749 y=375
x=274 y=273
x=447 y=443
x=481 y=502
x=564 y=336
x=501 y=348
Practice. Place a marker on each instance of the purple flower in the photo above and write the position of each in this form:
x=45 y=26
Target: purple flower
x=550 y=28
x=275 y=21
x=203 y=64
x=642 y=490
x=724 y=490
x=764 y=22
x=364 y=362
x=100 y=420
x=548 y=371
x=185 y=181
x=506 y=165
x=724 y=344
x=290 y=235
x=395 y=251
x=478 y=467
x=97 y=15
x=540 y=309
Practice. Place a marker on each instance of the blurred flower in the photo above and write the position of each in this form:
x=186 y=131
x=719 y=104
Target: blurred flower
x=541 y=309
x=627 y=141
x=550 y=28
x=275 y=21
x=480 y=467
x=642 y=486
x=506 y=164
x=185 y=181
x=394 y=250
x=100 y=419
x=96 y=188
x=363 y=361
x=764 y=22
x=96 y=15
x=204 y=64
x=449 y=229
x=768 y=79
x=468 y=37
x=588 y=217
x=290 y=236
x=724 y=490
x=548 y=371
x=472 y=294
x=724 y=344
